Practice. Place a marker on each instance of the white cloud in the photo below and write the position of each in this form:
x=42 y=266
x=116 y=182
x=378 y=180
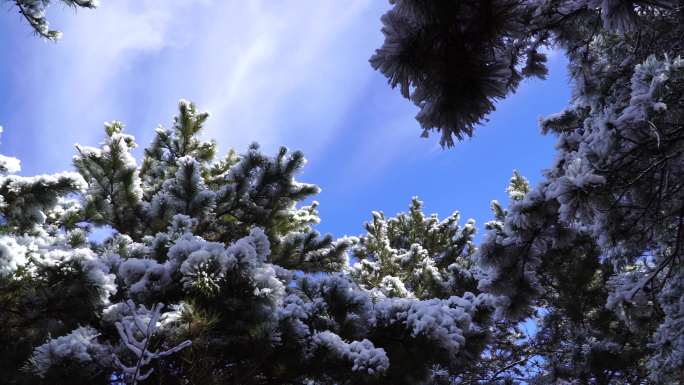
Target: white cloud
x=276 y=72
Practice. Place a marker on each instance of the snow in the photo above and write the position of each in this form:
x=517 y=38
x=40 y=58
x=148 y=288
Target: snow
x=9 y=165
x=443 y=322
x=195 y=255
x=183 y=247
x=80 y=345
x=12 y=256
x=364 y=356
x=115 y=312
x=180 y=224
x=294 y=312
x=98 y=273
x=25 y=199
x=202 y=263
x=185 y=193
x=144 y=276
x=17 y=184
x=252 y=249
x=572 y=189
x=613 y=191
x=394 y=287
x=266 y=282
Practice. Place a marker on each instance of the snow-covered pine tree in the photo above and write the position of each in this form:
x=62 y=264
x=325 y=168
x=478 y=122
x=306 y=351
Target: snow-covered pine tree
x=413 y=255
x=34 y=12
x=50 y=280
x=612 y=206
x=253 y=294
x=542 y=270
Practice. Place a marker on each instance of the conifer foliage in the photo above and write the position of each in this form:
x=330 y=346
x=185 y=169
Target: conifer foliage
x=414 y=256
x=434 y=50
x=214 y=274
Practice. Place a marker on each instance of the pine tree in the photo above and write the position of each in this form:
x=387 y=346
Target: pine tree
x=541 y=269
x=413 y=255
x=609 y=212
x=50 y=280
x=253 y=294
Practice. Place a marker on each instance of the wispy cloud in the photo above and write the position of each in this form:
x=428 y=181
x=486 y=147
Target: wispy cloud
x=285 y=72
x=274 y=72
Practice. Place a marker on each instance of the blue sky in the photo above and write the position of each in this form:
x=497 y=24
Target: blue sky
x=289 y=72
